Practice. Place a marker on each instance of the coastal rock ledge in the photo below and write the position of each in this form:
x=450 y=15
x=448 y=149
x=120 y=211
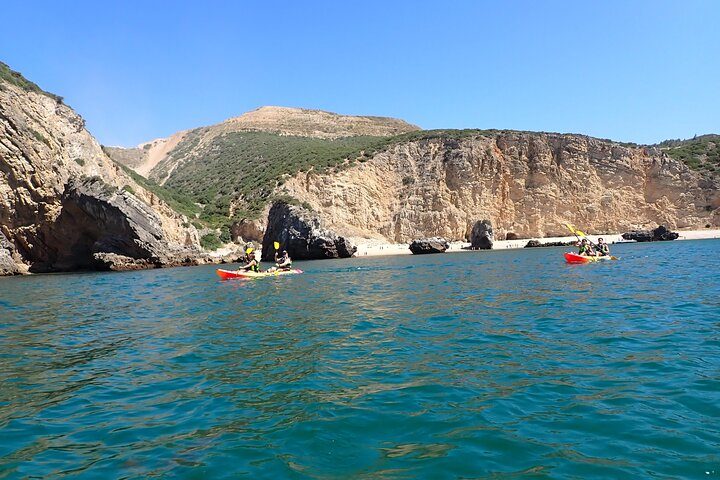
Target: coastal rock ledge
x=301 y=233
x=429 y=245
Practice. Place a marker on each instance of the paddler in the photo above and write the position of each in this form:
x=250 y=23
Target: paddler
x=282 y=262
x=252 y=263
x=603 y=250
x=585 y=248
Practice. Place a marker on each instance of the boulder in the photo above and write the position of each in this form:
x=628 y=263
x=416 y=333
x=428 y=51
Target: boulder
x=512 y=236
x=661 y=233
x=429 y=245
x=537 y=243
x=481 y=236
x=301 y=233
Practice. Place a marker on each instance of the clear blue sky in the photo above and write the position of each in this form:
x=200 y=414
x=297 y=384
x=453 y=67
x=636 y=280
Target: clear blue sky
x=628 y=70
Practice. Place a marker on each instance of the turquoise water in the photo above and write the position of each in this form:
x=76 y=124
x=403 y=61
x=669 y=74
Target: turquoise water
x=504 y=364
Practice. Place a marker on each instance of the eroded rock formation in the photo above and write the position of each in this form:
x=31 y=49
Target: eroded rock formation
x=481 y=236
x=301 y=233
x=65 y=205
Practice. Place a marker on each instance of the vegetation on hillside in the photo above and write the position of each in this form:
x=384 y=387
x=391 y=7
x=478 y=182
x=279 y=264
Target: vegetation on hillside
x=249 y=165
x=16 y=78
x=178 y=201
x=700 y=153
x=244 y=168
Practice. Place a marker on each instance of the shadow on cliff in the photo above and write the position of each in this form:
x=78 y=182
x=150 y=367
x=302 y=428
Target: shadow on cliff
x=99 y=228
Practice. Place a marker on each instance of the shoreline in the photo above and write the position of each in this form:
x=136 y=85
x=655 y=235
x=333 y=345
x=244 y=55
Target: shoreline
x=374 y=249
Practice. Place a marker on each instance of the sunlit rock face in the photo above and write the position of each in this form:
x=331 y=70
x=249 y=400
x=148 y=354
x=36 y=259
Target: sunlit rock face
x=528 y=184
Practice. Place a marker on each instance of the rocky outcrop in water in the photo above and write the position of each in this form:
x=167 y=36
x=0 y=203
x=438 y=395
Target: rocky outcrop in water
x=301 y=233
x=423 y=246
x=659 y=234
x=481 y=236
x=65 y=205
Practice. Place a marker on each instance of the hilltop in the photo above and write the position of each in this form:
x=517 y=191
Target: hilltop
x=282 y=121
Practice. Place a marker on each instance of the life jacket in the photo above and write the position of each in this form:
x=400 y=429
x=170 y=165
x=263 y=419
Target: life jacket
x=256 y=267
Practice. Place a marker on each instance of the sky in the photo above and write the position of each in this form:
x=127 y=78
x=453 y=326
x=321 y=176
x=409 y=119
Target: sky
x=631 y=70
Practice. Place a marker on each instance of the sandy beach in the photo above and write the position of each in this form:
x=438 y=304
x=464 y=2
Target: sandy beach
x=374 y=248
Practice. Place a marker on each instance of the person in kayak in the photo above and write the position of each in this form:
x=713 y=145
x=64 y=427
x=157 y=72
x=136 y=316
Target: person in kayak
x=253 y=264
x=282 y=262
x=585 y=248
x=603 y=250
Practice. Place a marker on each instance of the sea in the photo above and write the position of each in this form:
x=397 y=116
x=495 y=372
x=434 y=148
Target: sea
x=490 y=364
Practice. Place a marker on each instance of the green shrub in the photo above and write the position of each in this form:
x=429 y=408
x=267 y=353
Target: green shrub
x=225 y=234
x=15 y=78
x=210 y=241
x=79 y=161
x=700 y=153
x=40 y=137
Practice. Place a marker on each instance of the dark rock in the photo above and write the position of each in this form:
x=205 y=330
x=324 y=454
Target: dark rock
x=481 y=236
x=300 y=232
x=537 y=243
x=512 y=236
x=639 y=235
x=661 y=233
x=429 y=245
x=100 y=227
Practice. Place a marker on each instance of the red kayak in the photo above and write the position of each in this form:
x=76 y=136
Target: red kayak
x=575 y=258
x=225 y=274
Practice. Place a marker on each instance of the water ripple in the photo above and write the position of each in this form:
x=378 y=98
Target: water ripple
x=505 y=364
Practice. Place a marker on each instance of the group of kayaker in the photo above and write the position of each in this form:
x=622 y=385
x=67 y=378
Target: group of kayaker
x=282 y=261
x=588 y=249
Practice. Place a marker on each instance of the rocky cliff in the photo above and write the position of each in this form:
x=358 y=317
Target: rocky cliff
x=64 y=204
x=528 y=184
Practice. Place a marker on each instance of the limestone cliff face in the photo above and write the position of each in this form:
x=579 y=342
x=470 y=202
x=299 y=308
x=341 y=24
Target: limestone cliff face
x=525 y=183
x=49 y=218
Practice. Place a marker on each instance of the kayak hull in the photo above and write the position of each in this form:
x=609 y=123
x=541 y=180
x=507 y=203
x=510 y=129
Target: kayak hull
x=575 y=258
x=226 y=274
